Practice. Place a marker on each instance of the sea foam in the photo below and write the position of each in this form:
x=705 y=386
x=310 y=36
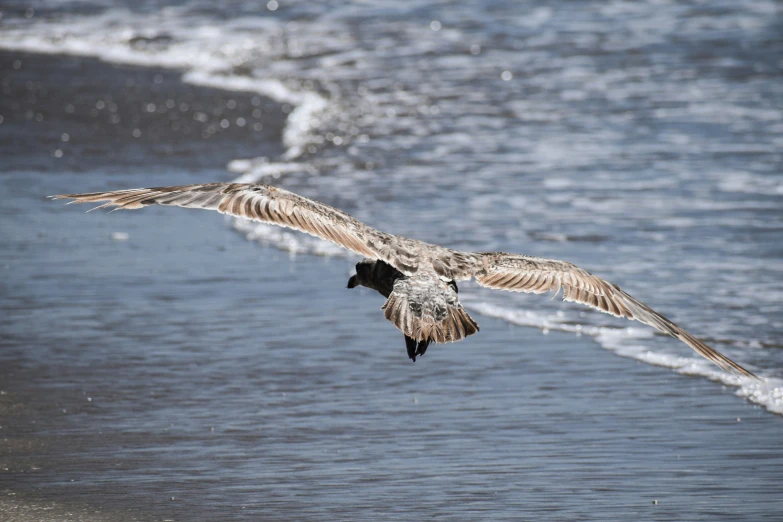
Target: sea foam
x=630 y=342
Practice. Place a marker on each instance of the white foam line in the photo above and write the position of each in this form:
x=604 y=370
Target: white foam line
x=300 y=122
x=626 y=343
x=107 y=51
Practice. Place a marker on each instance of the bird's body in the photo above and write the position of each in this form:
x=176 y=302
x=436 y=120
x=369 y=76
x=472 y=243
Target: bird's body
x=423 y=306
x=418 y=279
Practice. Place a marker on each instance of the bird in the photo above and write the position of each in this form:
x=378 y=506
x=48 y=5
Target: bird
x=418 y=279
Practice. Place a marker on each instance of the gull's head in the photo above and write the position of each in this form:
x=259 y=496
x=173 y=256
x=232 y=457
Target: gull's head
x=363 y=273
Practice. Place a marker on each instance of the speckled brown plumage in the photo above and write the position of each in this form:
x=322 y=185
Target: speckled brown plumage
x=417 y=277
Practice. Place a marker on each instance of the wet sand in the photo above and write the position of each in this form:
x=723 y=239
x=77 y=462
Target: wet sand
x=116 y=118
x=185 y=373
x=21 y=509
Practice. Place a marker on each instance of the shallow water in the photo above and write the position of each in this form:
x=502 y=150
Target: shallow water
x=639 y=141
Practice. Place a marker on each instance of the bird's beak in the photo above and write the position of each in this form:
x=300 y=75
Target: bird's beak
x=353 y=282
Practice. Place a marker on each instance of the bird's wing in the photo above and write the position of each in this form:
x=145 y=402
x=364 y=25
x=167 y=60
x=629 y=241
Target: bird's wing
x=426 y=308
x=517 y=273
x=259 y=203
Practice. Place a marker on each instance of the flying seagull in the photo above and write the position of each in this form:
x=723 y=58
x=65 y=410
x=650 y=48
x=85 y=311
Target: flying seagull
x=418 y=279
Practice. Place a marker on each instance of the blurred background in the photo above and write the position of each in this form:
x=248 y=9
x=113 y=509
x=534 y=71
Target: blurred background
x=176 y=364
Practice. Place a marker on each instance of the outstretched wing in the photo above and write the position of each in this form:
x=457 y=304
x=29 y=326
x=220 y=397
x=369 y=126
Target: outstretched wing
x=426 y=308
x=259 y=203
x=519 y=273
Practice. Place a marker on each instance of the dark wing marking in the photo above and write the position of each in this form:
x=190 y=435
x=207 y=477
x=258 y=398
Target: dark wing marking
x=265 y=204
x=426 y=308
x=519 y=273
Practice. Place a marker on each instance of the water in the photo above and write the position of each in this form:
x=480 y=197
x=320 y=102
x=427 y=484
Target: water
x=640 y=141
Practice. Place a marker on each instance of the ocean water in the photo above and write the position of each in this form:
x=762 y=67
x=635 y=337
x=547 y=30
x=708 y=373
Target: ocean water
x=162 y=354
